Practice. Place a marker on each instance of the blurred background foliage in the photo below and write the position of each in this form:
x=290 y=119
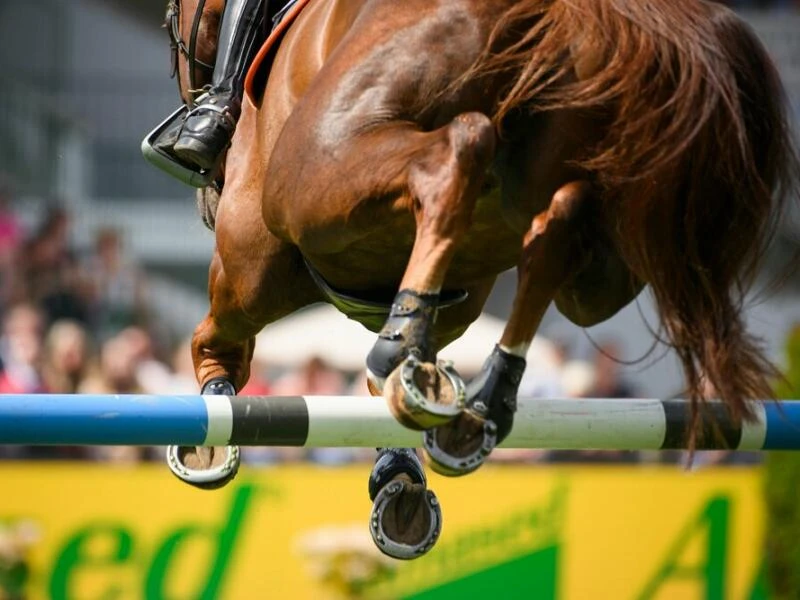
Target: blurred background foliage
x=782 y=491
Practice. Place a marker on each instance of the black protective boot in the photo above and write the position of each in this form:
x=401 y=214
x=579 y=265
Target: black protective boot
x=209 y=126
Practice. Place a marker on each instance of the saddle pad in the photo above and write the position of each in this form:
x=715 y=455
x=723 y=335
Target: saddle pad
x=259 y=68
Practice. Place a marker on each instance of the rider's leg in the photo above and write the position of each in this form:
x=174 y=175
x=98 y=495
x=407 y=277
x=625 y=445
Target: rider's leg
x=208 y=129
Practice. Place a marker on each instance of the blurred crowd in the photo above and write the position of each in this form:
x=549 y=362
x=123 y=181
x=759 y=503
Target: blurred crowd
x=77 y=321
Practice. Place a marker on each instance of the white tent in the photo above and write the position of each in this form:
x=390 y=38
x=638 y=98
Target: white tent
x=344 y=344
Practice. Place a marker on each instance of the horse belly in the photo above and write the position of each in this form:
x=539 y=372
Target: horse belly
x=378 y=258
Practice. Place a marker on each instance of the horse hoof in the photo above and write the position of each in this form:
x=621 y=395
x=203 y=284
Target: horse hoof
x=204 y=468
x=423 y=395
x=406 y=520
x=460 y=447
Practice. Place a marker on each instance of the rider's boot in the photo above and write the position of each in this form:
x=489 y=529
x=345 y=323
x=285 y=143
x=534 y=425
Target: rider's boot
x=209 y=127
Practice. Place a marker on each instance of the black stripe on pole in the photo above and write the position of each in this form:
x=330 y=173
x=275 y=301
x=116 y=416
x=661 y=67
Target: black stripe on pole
x=719 y=432
x=269 y=420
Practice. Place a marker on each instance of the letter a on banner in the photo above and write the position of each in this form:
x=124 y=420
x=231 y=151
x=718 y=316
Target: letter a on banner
x=710 y=572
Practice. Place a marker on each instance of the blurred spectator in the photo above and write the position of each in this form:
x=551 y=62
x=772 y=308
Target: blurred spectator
x=22 y=349
x=542 y=378
x=11 y=238
x=20 y=359
x=52 y=275
x=579 y=380
x=21 y=345
x=118 y=286
x=258 y=384
x=315 y=378
x=151 y=373
x=67 y=356
x=609 y=383
x=182 y=380
x=120 y=358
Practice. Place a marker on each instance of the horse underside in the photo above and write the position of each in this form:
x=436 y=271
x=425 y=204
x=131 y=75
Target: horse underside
x=387 y=167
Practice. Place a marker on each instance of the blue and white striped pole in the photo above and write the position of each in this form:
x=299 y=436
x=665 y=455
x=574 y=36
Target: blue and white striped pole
x=354 y=421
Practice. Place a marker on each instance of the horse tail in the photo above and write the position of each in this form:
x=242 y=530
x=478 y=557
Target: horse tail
x=696 y=159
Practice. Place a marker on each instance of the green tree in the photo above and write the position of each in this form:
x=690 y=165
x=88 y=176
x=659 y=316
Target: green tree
x=782 y=491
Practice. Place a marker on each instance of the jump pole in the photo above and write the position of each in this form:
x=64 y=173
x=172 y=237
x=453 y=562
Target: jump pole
x=354 y=421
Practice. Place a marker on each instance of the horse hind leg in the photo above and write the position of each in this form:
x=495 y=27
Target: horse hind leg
x=554 y=249
x=445 y=182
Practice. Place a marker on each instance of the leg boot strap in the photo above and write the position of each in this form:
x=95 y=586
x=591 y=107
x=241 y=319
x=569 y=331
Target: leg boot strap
x=392 y=462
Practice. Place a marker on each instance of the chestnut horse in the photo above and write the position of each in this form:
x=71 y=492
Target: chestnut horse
x=400 y=155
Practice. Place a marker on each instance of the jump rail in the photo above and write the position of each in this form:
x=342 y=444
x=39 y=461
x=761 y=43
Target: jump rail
x=353 y=421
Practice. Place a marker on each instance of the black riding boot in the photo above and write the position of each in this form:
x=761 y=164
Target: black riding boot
x=209 y=127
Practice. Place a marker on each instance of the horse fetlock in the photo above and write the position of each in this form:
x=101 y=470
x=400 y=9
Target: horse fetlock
x=216 y=366
x=393 y=463
x=406 y=331
x=492 y=394
x=422 y=395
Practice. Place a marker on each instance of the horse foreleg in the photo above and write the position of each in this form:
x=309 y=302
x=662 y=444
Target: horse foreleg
x=224 y=342
x=445 y=182
x=255 y=289
x=553 y=250
x=406 y=518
